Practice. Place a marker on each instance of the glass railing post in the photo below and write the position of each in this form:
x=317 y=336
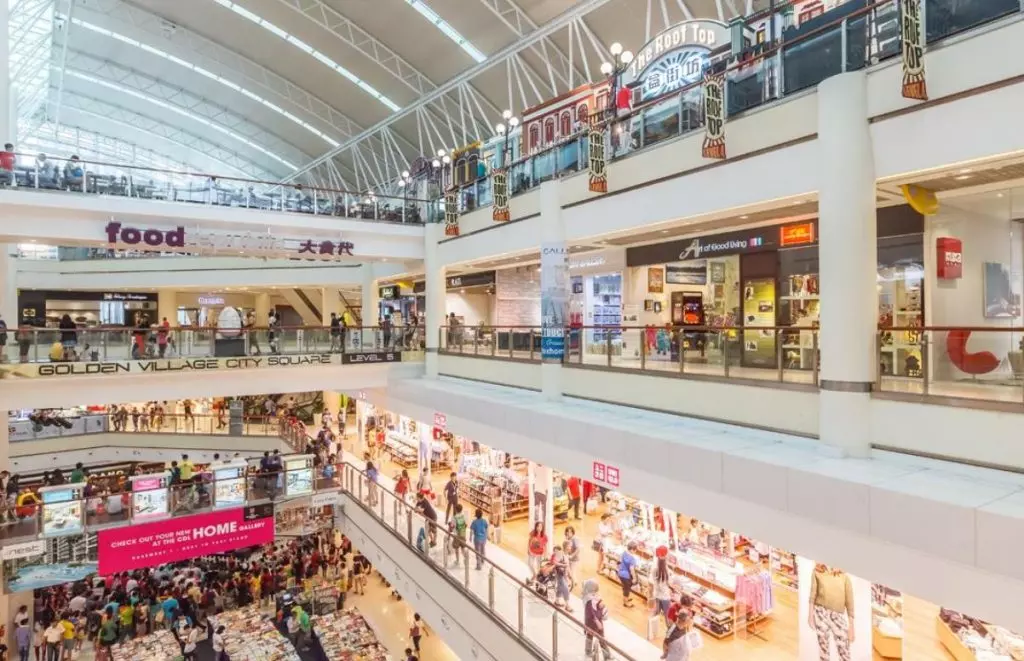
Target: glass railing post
x=531 y=344
x=520 y=606
x=681 y=341
x=814 y=360
x=779 y=354
x=643 y=352
x=925 y=372
x=376 y=209
x=316 y=210
x=37 y=175
x=725 y=354
x=490 y=589
x=408 y=526
x=608 y=346
x=85 y=180
x=554 y=635
x=465 y=564
x=843 y=46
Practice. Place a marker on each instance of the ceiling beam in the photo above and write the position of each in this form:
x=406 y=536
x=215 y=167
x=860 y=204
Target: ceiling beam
x=552 y=26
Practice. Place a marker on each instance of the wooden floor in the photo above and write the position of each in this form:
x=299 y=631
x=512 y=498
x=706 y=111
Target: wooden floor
x=391 y=618
x=778 y=641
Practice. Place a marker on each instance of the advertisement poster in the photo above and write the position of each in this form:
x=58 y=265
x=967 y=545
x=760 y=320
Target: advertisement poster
x=62 y=511
x=834 y=614
x=298 y=476
x=759 y=312
x=229 y=487
x=655 y=280
x=173 y=540
x=28 y=566
x=694 y=272
x=554 y=300
x=149 y=498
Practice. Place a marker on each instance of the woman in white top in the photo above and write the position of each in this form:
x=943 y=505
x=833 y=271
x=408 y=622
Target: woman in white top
x=677 y=642
x=604 y=531
x=191 y=641
x=662 y=591
x=218 y=644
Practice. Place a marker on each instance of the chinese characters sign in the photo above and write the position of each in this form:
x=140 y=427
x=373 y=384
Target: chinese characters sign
x=914 y=85
x=675 y=58
x=451 y=213
x=598 y=166
x=714 y=117
x=500 y=210
x=605 y=473
x=322 y=249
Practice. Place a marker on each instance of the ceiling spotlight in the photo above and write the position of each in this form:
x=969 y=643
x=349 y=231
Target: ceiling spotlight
x=615 y=49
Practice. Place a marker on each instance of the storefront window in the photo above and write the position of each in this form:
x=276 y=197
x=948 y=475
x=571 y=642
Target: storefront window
x=661 y=121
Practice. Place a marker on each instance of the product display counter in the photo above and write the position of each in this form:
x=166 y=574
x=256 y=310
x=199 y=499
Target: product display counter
x=403 y=450
x=484 y=485
x=970 y=639
x=886 y=622
x=250 y=635
x=157 y=646
x=346 y=636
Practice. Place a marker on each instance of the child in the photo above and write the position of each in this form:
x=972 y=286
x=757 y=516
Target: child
x=416 y=632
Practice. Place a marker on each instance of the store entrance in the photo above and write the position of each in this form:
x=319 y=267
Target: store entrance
x=747 y=599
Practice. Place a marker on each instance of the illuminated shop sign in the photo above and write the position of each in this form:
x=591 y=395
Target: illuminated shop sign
x=470 y=280
x=758 y=239
x=196 y=240
x=675 y=58
x=949 y=258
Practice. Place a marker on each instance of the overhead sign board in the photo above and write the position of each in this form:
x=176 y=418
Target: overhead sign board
x=674 y=58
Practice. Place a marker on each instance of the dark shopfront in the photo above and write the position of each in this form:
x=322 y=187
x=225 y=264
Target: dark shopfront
x=398 y=298
x=765 y=277
x=88 y=309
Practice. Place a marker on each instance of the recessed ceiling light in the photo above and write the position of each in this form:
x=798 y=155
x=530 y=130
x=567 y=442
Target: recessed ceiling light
x=518 y=258
x=463 y=291
x=664 y=231
x=963 y=176
x=744 y=217
x=965 y=170
x=795 y=202
x=999 y=194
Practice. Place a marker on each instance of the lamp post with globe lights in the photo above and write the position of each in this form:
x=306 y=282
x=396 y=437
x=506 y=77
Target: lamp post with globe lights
x=505 y=128
x=404 y=182
x=620 y=60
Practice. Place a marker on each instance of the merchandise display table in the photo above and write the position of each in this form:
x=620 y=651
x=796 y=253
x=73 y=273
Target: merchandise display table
x=346 y=636
x=157 y=646
x=250 y=635
x=484 y=486
x=969 y=639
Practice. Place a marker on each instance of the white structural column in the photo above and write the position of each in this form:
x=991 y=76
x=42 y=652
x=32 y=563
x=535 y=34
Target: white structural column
x=541 y=499
x=8 y=109
x=554 y=283
x=262 y=308
x=331 y=303
x=370 y=300
x=848 y=262
x=167 y=306
x=435 y=295
x=9 y=288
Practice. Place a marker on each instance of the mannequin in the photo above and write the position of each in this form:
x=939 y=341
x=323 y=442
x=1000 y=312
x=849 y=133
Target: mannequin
x=830 y=611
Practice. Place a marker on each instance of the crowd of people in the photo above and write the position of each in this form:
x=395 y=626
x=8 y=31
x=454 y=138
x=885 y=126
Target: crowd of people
x=185 y=598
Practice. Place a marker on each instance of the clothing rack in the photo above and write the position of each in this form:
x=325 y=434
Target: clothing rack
x=754 y=601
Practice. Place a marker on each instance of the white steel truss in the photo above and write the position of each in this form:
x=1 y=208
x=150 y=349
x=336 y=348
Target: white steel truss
x=466 y=100
x=213 y=57
x=180 y=98
x=133 y=121
x=30 y=40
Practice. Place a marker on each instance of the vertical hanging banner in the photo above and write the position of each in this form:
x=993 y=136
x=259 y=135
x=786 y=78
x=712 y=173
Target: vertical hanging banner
x=451 y=213
x=500 y=210
x=914 y=85
x=714 y=116
x=598 y=166
x=554 y=300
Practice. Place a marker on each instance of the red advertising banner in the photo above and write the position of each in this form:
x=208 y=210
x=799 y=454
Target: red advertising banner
x=174 y=540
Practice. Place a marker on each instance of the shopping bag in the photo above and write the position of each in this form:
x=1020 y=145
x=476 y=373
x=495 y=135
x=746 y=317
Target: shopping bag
x=695 y=640
x=652 y=627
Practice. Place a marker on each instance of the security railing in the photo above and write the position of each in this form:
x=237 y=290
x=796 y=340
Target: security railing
x=70 y=345
x=953 y=362
x=31 y=171
x=132 y=421
x=960 y=362
x=538 y=623
x=772 y=353
x=841 y=40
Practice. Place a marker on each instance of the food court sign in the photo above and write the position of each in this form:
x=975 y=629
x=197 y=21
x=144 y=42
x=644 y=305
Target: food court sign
x=675 y=58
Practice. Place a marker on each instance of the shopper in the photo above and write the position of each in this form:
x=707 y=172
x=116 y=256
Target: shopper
x=371 y=483
x=190 y=642
x=561 y=565
x=451 y=496
x=677 y=641
x=604 y=532
x=23 y=639
x=571 y=547
x=574 y=488
x=402 y=485
x=218 y=645
x=479 y=530
x=424 y=507
x=627 y=574
x=661 y=591
x=458 y=530
x=537 y=547
x=53 y=635
x=594 y=615
x=416 y=631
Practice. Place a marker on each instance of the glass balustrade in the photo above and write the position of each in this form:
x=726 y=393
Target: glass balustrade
x=34 y=172
x=850 y=37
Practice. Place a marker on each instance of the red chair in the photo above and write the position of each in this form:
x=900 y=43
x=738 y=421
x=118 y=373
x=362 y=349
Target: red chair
x=974 y=364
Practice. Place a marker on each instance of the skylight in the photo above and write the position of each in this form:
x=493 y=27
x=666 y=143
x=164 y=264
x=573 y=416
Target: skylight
x=309 y=50
x=179 y=111
x=209 y=74
x=447 y=29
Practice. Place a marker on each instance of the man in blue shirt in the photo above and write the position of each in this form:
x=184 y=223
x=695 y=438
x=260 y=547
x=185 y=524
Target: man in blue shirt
x=479 y=530
x=627 y=574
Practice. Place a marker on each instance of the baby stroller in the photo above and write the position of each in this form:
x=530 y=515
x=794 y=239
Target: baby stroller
x=544 y=582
